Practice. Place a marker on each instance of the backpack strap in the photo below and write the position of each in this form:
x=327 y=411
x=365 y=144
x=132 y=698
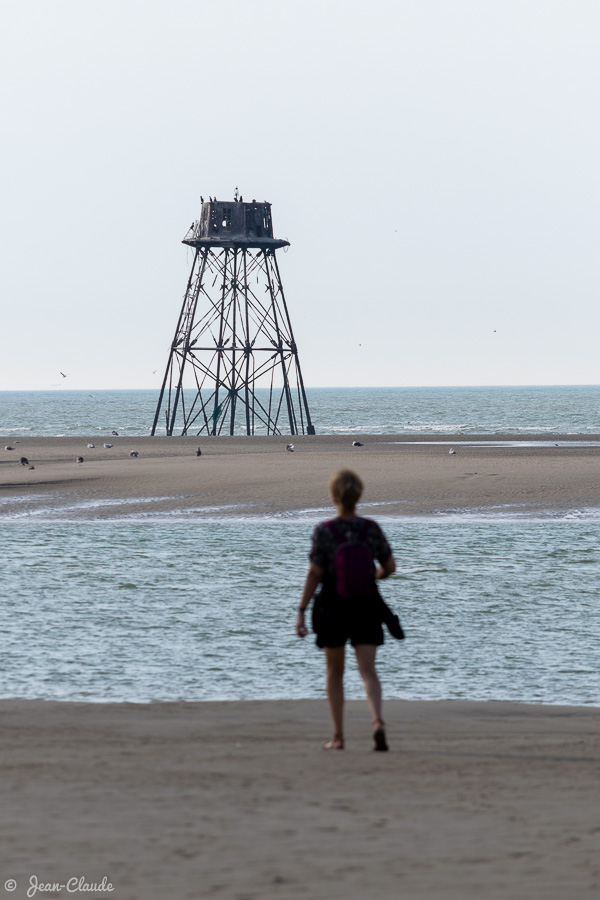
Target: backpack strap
x=334 y=528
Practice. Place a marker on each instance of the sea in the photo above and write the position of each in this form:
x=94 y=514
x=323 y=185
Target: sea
x=201 y=606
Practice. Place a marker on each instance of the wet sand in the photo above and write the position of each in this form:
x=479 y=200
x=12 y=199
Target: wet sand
x=258 y=476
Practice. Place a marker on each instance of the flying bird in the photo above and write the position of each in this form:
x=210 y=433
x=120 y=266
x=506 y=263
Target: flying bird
x=63 y=374
x=289 y=447
x=451 y=451
x=116 y=433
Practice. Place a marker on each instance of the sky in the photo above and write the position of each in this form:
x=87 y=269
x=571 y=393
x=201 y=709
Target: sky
x=433 y=163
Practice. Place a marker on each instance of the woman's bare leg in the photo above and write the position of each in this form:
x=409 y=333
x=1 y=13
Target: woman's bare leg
x=335 y=657
x=365 y=657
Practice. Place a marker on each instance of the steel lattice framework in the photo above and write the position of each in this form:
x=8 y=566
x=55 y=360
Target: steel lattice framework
x=233 y=360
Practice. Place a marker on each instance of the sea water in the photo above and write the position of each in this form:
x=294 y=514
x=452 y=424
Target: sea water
x=415 y=411
x=140 y=610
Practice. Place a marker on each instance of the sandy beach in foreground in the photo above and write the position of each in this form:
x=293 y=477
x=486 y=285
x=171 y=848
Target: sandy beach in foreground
x=237 y=800
x=258 y=476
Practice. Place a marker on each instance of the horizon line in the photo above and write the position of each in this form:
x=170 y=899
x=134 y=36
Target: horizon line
x=323 y=387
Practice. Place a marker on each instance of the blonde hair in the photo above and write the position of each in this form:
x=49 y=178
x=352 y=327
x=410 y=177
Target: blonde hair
x=346 y=488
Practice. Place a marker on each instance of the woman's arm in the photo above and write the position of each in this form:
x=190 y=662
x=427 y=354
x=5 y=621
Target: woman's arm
x=386 y=569
x=313 y=580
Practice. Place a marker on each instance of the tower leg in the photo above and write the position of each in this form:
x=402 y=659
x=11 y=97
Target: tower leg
x=176 y=359
x=303 y=404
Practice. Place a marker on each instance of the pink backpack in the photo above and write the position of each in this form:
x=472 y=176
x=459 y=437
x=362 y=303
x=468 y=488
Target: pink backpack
x=354 y=566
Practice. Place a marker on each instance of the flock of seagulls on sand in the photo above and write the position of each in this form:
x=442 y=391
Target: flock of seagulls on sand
x=24 y=461
x=135 y=453
x=290 y=447
x=132 y=453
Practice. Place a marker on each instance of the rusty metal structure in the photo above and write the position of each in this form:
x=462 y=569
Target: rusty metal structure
x=233 y=364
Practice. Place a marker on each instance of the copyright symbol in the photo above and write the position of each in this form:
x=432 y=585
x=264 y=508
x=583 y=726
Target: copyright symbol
x=10 y=884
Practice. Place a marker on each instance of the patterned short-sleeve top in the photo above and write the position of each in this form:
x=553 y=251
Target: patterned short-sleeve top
x=325 y=544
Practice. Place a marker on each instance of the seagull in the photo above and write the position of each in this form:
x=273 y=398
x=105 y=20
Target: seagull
x=289 y=447
x=357 y=444
x=80 y=459
x=9 y=448
x=24 y=461
x=116 y=433
x=451 y=451
x=198 y=452
x=108 y=446
x=91 y=446
x=133 y=453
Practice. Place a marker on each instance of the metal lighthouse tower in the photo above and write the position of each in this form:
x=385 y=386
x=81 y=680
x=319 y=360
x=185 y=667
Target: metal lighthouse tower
x=233 y=365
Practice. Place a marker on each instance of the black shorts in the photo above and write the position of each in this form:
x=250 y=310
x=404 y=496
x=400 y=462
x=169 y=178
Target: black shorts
x=335 y=621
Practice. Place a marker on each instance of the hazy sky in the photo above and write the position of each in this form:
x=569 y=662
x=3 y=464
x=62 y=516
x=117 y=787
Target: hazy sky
x=434 y=164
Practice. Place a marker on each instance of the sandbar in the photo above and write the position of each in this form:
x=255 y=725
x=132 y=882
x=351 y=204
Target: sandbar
x=258 y=476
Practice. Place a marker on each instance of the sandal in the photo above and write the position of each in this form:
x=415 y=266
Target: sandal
x=336 y=743
x=379 y=738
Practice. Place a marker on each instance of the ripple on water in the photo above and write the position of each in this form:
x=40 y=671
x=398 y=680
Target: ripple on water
x=202 y=610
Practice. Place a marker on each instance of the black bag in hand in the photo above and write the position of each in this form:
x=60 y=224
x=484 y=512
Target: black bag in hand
x=391 y=620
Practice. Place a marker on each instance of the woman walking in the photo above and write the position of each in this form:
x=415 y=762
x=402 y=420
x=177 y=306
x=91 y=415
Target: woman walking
x=348 y=606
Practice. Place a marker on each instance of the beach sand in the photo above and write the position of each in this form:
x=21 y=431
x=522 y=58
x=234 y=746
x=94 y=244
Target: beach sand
x=257 y=475
x=237 y=800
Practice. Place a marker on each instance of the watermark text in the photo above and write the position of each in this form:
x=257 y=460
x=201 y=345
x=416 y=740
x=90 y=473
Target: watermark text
x=78 y=884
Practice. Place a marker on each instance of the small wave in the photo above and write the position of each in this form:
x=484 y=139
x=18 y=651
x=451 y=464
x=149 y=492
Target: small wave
x=27 y=498
x=58 y=509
